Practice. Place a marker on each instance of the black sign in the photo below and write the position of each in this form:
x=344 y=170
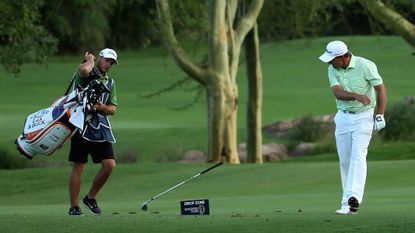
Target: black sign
x=195 y=207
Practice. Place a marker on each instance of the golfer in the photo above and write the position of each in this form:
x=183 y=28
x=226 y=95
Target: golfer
x=96 y=139
x=361 y=101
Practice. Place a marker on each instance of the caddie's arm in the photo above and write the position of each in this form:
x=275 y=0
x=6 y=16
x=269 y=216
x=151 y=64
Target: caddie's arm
x=341 y=94
x=86 y=67
x=381 y=97
x=107 y=109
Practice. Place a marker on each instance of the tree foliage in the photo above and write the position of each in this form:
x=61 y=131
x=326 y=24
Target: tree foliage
x=133 y=24
x=22 y=38
x=79 y=25
x=287 y=19
x=392 y=19
x=30 y=29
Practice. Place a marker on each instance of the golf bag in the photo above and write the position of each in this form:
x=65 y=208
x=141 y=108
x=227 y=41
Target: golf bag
x=47 y=130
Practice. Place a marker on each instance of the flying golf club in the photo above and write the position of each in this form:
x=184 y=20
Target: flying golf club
x=145 y=204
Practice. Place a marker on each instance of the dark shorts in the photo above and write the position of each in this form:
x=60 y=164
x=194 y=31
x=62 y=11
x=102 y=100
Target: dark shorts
x=81 y=148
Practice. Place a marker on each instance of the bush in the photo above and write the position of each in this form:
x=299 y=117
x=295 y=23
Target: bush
x=314 y=130
x=308 y=129
x=170 y=155
x=126 y=156
x=10 y=161
x=400 y=123
x=328 y=145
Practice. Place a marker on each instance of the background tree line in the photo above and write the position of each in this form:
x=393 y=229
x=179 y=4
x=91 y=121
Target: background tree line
x=33 y=29
x=131 y=24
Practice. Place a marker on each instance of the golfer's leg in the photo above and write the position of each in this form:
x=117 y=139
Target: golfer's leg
x=75 y=183
x=343 y=144
x=358 y=166
x=107 y=165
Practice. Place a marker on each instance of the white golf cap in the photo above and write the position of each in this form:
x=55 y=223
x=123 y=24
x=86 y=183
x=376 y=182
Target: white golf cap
x=334 y=49
x=109 y=53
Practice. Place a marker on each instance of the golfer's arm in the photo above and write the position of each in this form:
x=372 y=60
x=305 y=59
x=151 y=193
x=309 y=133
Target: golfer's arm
x=381 y=97
x=341 y=94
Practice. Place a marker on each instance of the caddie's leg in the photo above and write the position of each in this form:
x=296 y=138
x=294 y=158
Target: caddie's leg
x=107 y=165
x=75 y=183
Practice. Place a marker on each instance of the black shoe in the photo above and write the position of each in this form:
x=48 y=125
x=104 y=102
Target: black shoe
x=75 y=211
x=92 y=205
x=353 y=204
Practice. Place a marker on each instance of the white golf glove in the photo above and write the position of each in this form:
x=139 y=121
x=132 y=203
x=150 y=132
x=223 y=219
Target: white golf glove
x=380 y=122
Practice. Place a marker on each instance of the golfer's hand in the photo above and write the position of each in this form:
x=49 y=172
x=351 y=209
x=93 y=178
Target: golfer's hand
x=363 y=99
x=380 y=122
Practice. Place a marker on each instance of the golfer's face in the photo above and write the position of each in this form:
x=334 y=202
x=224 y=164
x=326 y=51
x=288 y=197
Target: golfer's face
x=339 y=62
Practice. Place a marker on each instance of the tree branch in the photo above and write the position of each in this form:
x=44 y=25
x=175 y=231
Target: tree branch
x=248 y=21
x=392 y=19
x=182 y=59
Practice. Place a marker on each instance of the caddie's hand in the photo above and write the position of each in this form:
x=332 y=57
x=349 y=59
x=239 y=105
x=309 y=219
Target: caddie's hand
x=99 y=107
x=380 y=122
x=89 y=57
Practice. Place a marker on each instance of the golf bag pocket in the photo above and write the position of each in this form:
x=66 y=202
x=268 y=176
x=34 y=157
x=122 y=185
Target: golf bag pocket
x=46 y=131
x=46 y=141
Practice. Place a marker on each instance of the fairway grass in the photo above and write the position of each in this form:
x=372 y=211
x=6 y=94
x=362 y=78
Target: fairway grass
x=274 y=197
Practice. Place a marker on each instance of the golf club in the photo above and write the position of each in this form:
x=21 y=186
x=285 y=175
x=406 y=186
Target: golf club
x=144 y=206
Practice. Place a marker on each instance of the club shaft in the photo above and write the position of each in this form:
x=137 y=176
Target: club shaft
x=183 y=182
x=177 y=185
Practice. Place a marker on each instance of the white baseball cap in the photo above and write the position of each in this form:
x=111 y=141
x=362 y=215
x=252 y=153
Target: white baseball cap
x=109 y=53
x=334 y=49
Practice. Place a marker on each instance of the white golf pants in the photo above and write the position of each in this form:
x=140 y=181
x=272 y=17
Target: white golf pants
x=353 y=134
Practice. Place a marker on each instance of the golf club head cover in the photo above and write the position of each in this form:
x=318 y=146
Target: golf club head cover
x=380 y=122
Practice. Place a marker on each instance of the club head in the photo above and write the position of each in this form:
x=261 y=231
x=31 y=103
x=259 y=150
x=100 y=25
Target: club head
x=144 y=207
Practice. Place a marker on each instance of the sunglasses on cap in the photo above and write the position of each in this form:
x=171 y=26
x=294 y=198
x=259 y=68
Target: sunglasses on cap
x=110 y=61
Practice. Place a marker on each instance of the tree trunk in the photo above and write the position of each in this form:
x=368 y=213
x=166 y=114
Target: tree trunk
x=392 y=19
x=222 y=125
x=219 y=75
x=254 y=108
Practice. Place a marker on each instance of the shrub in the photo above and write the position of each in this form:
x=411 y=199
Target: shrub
x=10 y=161
x=315 y=130
x=308 y=129
x=126 y=156
x=400 y=123
x=170 y=155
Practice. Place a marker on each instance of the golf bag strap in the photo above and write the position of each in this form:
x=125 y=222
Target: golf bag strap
x=69 y=87
x=93 y=75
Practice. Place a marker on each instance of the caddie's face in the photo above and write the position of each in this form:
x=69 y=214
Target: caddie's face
x=105 y=64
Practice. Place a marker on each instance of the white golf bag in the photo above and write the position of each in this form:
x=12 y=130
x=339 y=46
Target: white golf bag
x=47 y=130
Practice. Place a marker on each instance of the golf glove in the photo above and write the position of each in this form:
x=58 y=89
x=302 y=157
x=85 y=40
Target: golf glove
x=380 y=122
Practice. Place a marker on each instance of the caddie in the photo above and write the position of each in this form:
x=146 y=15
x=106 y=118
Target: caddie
x=96 y=138
x=361 y=101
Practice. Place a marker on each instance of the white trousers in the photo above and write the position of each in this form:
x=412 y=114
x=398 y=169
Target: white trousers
x=353 y=134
